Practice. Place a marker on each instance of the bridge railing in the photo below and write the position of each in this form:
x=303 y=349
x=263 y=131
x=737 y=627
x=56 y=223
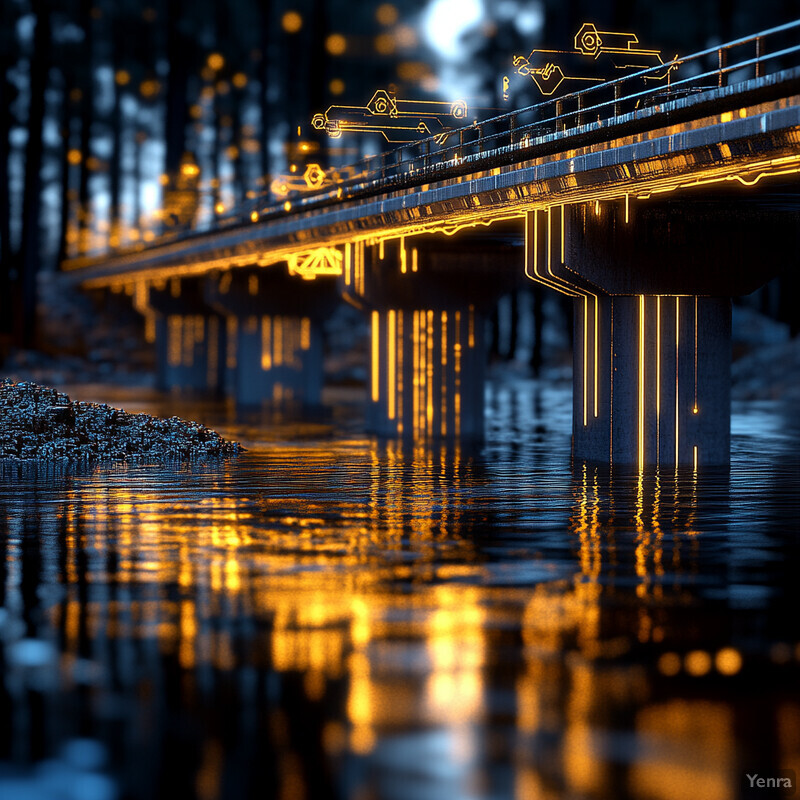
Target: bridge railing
x=638 y=95
x=525 y=131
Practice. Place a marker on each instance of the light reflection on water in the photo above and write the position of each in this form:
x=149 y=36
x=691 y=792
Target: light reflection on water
x=331 y=616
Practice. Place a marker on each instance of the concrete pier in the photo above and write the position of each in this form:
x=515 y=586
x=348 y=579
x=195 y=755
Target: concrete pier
x=651 y=282
x=652 y=380
x=190 y=339
x=428 y=352
x=427 y=370
x=274 y=330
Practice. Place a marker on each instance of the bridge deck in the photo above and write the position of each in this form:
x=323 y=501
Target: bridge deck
x=743 y=132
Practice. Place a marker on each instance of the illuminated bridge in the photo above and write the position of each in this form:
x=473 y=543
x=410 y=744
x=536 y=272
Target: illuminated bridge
x=649 y=205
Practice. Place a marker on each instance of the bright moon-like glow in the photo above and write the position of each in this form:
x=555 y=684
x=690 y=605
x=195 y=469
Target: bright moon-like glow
x=445 y=21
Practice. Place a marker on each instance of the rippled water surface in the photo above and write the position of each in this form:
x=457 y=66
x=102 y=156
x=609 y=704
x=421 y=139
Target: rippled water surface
x=332 y=616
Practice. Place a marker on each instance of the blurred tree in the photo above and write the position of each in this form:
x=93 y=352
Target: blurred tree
x=30 y=250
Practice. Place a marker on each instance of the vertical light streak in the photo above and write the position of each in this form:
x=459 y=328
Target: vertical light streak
x=563 y=258
x=348 y=262
x=415 y=368
x=414 y=259
x=627 y=209
x=694 y=409
x=641 y=382
x=305 y=333
x=213 y=352
x=376 y=322
x=611 y=390
x=266 y=344
x=444 y=374
x=174 y=336
x=232 y=329
x=381 y=252
x=400 y=353
x=403 y=264
x=277 y=341
x=457 y=354
x=695 y=458
x=585 y=357
x=188 y=341
x=677 y=354
x=471 y=339
x=596 y=357
x=658 y=376
x=430 y=367
x=391 y=382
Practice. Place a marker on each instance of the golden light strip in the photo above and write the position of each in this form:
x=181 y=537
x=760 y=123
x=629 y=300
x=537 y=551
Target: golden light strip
x=585 y=357
x=400 y=386
x=266 y=344
x=596 y=357
x=391 y=388
x=444 y=374
x=375 y=356
x=641 y=381
x=694 y=408
x=658 y=376
x=677 y=383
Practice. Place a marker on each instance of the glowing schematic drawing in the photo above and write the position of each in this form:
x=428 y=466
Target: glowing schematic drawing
x=398 y=121
x=620 y=49
x=314 y=177
x=321 y=261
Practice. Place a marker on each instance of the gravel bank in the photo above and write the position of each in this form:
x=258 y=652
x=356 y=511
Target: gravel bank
x=42 y=424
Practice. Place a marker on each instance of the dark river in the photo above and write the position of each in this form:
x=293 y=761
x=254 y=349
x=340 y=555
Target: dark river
x=330 y=616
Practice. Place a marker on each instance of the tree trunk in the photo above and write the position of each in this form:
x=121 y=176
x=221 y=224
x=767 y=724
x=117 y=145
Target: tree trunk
x=31 y=204
x=87 y=117
x=7 y=47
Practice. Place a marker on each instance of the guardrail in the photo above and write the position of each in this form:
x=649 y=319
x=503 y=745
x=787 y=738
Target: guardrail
x=755 y=56
x=519 y=133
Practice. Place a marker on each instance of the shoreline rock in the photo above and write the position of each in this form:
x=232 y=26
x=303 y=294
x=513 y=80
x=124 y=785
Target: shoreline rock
x=40 y=424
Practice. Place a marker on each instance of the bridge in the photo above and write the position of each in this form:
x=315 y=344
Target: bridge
x=649 y=205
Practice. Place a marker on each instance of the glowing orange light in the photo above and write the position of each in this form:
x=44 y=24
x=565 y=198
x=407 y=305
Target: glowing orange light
x=149 y=88
x=190 y=170
x=239 y=80
x=698 y=663
x=74 y=157
x=669 y=664
x=336 y=86
x=219 y=208
x=254 y=216
x=216 y=61
x=728 y=661
x=385 y=44
x=406 y=36
x=291 y=22
x=387 y=14
x=287 y=206
x=122 y=77
x=336 y=44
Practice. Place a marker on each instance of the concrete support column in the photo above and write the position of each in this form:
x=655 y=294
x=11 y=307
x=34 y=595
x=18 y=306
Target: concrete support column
x=190 y=339
x=274 y=333
x=190 y=352
x=652 y=380
x=427 y=299
x=275 y=358
x=427 y=373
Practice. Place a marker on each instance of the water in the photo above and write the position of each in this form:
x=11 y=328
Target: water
x=330 y=616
